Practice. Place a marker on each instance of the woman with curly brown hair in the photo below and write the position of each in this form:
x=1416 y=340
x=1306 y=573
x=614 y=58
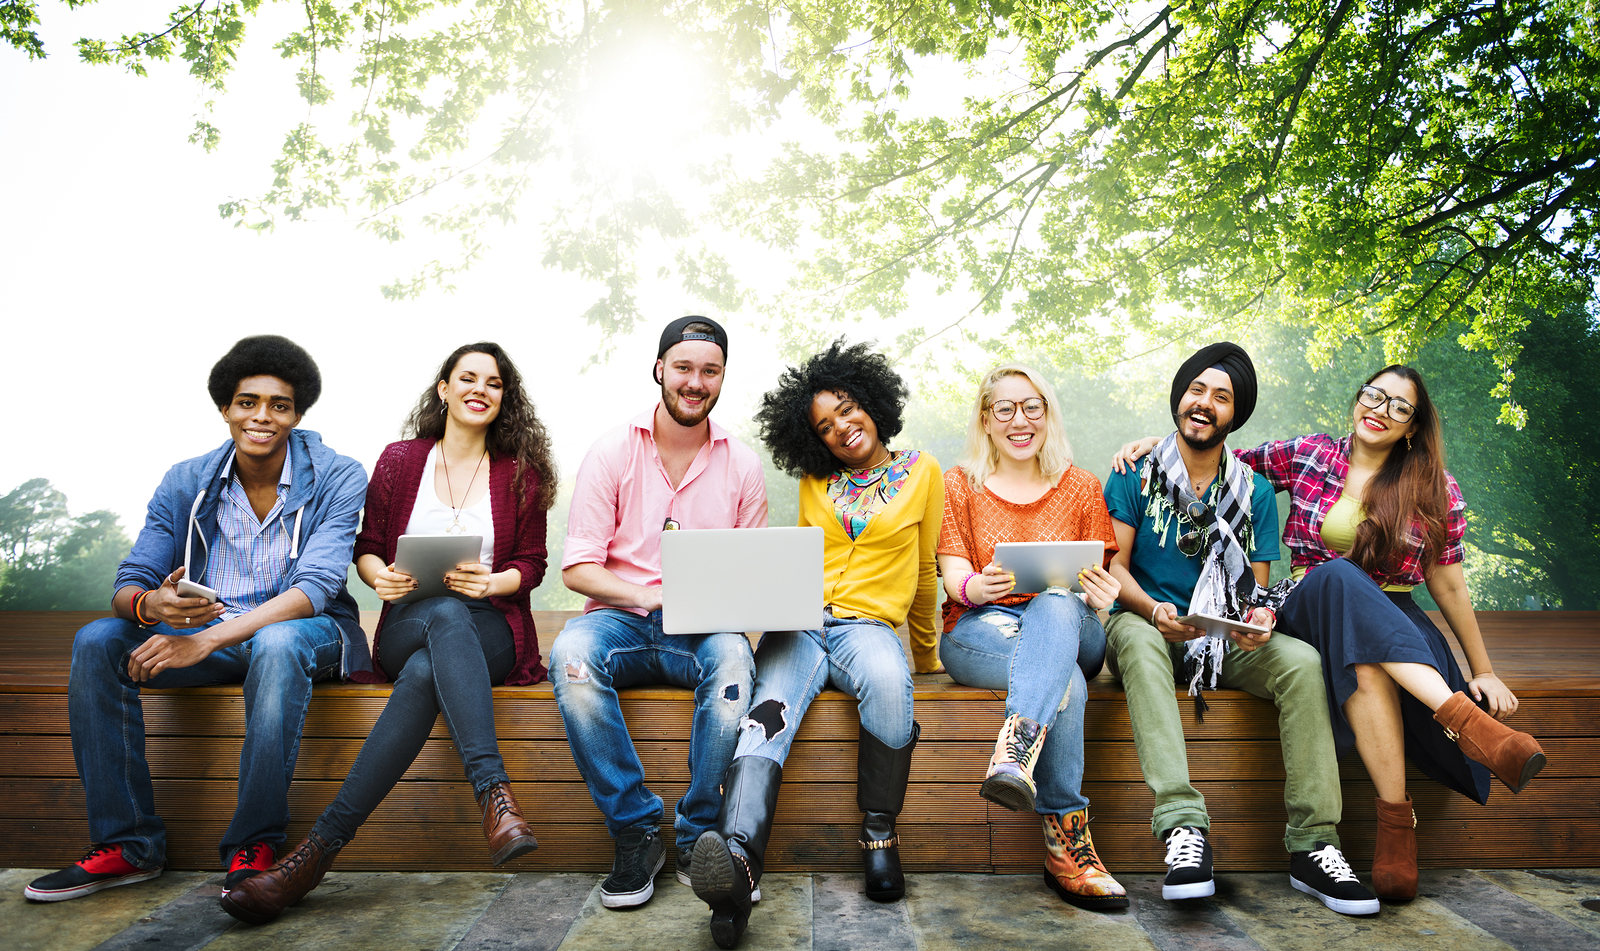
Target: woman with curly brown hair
x=478 y=463
x=829 y=422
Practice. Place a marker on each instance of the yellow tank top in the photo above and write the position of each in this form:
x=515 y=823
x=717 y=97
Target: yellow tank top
x=1339 y=533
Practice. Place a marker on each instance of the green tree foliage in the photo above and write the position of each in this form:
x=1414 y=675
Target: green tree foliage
x=54 y=562
x=1368 y=166
x=1360 y=166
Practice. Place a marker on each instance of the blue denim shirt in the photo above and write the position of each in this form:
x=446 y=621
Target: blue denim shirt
x=324 y=503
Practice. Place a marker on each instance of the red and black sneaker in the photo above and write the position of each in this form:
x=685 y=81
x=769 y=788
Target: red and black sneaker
x=101 y=867
x=250 y=860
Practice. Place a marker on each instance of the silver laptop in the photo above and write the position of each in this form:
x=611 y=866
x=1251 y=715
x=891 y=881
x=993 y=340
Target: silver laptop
x=741 y=579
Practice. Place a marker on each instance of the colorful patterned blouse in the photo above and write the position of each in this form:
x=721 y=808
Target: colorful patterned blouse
x=859 y=494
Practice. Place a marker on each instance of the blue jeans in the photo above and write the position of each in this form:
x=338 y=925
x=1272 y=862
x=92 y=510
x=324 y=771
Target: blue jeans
x=608 y=649
x=276 y=666
x=444 y=656
x=863 y=658
x=1028 y=651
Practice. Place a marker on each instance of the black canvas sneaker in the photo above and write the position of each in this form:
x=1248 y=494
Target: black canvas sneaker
x=1323 y=873
x=640 y=855
x=1188 y=865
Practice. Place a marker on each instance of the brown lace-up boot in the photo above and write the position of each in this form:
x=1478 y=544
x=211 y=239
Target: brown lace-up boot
x=1513 y=757
x=261 y=898
x=1073 y=869
x=503 y=825
x=1394 y=853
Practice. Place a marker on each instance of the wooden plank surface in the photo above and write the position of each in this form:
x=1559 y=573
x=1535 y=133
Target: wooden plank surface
x=1551 y=658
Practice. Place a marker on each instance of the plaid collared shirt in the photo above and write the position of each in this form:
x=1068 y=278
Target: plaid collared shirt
x=249 y=560
x=1312 y=469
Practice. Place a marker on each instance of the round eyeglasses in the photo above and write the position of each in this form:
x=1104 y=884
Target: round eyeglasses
x=1003 y=410
x=1396 y=409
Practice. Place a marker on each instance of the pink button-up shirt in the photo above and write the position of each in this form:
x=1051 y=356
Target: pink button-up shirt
x=623 y=497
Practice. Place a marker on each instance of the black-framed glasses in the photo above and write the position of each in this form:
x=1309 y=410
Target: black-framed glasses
x=1003 y=410
x=1201 y=516
x=1394 y=407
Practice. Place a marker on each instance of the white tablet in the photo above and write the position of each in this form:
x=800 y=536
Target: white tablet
x=1041 y=565
x=428 y=557
x=1220 y=626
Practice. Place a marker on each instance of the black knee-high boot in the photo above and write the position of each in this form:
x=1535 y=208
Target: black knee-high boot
x=881 y=775
x=727 y=861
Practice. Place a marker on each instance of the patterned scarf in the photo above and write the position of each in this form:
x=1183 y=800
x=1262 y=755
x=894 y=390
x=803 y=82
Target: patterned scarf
x=1227 y=587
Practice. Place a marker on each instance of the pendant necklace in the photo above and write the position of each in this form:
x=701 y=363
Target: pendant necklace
x=456 y=528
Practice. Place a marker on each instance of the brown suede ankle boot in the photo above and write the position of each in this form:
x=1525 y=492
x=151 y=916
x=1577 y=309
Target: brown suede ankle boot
x=261 y=898
x=1513 y=757
x=1394 y=853
x=503 y=825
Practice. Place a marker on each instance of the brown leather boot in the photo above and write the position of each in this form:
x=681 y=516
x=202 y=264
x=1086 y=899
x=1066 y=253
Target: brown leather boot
x=503 y=825
x=1394 y=853
x=261 y=898
x=1513 y=757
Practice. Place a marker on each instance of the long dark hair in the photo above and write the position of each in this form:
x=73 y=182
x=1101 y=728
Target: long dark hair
x=516 y=432
x=1408 y=493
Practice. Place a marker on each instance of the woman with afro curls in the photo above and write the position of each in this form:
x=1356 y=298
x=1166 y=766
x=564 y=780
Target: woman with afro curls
x=828 y=423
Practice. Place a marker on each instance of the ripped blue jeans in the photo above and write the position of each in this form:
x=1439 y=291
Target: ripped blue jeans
x=608 y=649
x=1029 y=651
x=863 y=658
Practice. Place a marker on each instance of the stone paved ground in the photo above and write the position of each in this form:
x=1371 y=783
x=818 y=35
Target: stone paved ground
x=1458 y=910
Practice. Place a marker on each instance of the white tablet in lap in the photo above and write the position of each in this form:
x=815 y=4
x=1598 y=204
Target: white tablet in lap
x=428 y=557
x=1041 y=565
x=1220 y=626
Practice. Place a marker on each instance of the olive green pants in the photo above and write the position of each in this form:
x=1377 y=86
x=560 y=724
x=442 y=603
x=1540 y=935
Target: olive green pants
x=1286 y=671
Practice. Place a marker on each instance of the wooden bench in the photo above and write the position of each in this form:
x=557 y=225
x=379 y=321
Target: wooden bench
x=1551 y=659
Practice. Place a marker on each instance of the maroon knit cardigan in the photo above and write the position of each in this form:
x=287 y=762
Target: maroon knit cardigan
x=519 y=543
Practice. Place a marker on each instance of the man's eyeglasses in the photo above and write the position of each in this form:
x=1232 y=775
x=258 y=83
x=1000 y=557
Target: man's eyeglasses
x=1373 y=398
x=1003 y=410
x=1200 y=514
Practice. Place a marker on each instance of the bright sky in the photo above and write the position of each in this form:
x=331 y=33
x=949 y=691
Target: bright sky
x=123 y=285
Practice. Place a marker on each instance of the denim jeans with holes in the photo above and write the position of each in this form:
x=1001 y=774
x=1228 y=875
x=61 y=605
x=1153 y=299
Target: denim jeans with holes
x=277 y=667
x=862 y=657
x=608 y=649
x=1042 y=654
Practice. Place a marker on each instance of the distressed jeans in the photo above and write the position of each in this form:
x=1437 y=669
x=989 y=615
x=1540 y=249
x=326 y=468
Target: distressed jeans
x=444 y=656
x=277 y=667
x=1042 y=654
x=1286 y=671
x=608 y=649
x=864 y=658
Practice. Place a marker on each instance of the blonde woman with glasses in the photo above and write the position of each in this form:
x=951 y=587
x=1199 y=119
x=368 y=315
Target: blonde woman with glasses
x=1016 y=483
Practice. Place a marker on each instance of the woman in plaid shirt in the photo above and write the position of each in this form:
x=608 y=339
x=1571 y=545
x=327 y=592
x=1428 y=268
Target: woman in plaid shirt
x=1376 y=514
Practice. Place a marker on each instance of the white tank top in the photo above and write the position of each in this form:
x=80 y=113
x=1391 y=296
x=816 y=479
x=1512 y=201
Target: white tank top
x=429 y=516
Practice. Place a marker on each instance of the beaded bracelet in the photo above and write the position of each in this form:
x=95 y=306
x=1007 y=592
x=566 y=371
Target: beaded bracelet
x=963 y=589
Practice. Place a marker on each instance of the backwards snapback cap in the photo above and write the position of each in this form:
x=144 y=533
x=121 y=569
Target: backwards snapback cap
x=675 y=334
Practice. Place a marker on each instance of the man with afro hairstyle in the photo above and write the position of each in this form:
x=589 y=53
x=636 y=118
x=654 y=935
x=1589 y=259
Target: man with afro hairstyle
x=266 y=522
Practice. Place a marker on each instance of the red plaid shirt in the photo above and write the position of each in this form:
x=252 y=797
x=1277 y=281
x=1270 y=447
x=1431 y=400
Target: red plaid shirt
x=1312 y=469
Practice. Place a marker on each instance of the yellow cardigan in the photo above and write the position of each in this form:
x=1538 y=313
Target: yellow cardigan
x=888 y=573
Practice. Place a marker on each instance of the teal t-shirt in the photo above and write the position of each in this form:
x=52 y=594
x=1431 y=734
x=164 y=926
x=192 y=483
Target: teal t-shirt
x=1165 y=573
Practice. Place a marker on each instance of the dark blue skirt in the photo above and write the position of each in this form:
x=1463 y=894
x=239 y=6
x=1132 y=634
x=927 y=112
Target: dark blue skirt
x=1343 y=613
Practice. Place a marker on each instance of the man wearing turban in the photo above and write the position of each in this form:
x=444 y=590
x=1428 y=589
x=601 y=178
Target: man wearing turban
x=1197 y=531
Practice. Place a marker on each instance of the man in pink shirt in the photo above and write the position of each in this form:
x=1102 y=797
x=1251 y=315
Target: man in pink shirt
x=668 y=468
